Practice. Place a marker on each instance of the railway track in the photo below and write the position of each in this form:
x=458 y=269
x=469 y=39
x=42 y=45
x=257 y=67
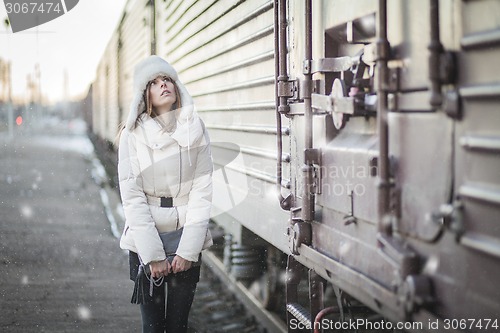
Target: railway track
x=215 y=309
x=223 y=304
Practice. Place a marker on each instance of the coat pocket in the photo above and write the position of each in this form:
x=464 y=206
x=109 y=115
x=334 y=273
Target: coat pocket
x=165 y=218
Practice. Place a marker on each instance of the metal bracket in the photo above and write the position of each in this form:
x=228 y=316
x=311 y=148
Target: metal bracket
x=321 y=102
x=317 y=180
x=286 y=202
x=350 y=218
x=450 y=215
x=313 y=157
x=447 y=67
x=451 y=104
x=402 y=258
x=394 y=79
x=306 y=67
x=337 y=103
x=286 y=88
x=330 y=65
x=373 y=165
x=333 y=104
x=294 y=90
x=298 y=234
x=383 y=49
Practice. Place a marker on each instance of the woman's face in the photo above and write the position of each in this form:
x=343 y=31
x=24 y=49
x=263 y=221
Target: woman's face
x=162 y=93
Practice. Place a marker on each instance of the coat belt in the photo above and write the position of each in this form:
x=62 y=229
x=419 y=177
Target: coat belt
x=167 y=201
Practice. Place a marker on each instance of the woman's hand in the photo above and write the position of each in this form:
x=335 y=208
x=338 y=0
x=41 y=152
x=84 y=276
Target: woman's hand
x=179 y=264
x=159 y=268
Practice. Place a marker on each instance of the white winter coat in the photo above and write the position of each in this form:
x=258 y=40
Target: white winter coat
x=155 y=163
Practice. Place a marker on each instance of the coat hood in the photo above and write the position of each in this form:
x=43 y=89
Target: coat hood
x=189 y=128
x=147 y=70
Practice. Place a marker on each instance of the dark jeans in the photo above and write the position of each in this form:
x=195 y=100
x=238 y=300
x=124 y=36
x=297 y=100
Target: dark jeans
x=171 y=316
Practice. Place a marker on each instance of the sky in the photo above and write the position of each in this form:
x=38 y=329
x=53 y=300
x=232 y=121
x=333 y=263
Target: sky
x=73 y=42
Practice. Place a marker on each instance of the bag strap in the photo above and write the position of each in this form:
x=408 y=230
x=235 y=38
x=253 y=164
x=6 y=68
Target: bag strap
x=152 y=281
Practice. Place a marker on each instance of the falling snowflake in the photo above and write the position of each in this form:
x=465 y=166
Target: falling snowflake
x=26 y=211
x=84 y=312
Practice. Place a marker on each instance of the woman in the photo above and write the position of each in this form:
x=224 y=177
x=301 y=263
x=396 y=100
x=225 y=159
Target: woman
x=165 y=175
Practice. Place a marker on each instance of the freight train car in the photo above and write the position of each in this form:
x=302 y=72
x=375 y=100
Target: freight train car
x=358 y=139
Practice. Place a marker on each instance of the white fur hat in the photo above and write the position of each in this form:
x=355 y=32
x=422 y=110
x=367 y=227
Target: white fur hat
x=147 y=70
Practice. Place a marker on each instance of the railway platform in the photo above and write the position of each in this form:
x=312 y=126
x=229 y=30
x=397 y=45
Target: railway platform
x=61 y=269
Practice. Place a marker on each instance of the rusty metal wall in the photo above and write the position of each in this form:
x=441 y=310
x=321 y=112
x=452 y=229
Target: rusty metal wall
x=437 y=159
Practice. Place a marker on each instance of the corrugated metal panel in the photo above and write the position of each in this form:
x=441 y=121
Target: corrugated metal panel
x=111 y=89
x=478 y=133
x=224 y=65
x=477 y=158
x=223 y=51
x=135 y=45
x=105 y=93
x=97 y=102
x=480 y=16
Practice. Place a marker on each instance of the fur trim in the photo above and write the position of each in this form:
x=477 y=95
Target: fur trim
x=147 y=70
